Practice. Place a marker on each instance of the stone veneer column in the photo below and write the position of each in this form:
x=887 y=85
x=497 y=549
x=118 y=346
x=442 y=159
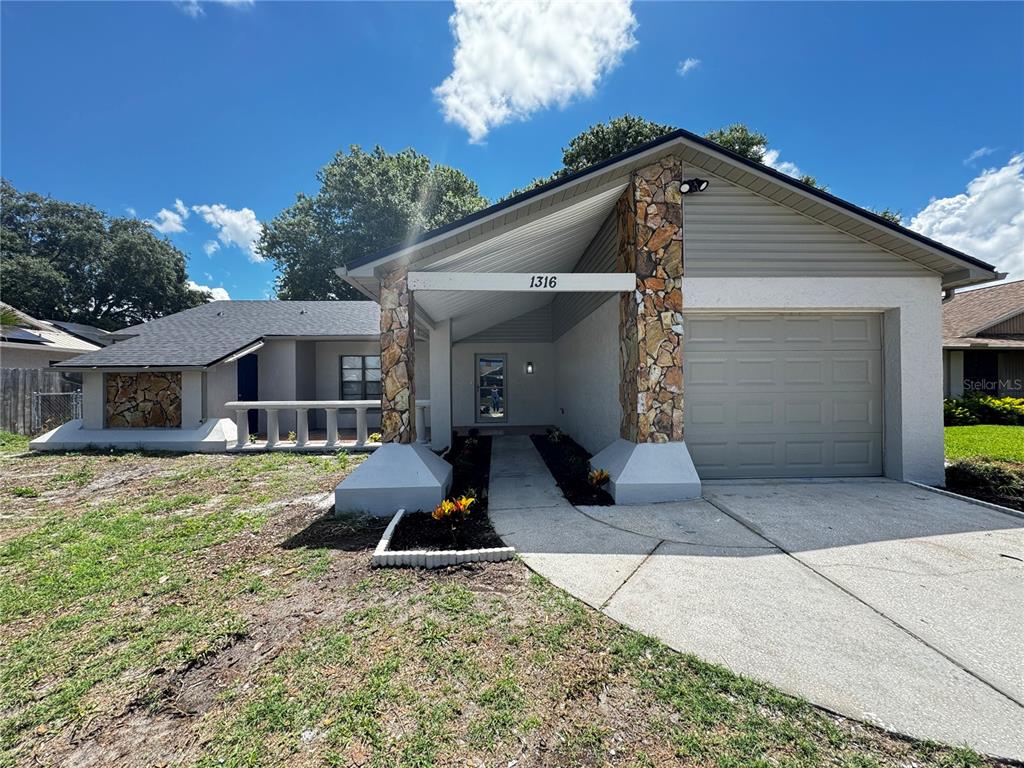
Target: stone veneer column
x=397 y=348
x=650 y=224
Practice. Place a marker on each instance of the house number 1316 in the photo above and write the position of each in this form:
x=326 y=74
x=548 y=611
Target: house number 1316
x=543 y=281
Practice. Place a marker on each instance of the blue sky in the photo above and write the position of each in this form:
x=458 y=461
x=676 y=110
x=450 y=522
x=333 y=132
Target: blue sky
x=227 y=107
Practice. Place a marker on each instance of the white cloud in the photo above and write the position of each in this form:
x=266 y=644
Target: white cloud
x=167 y=222
x=986 y=221
x=512 y=59
x=686 y=66
x=218 y=294
x=210 y=247
x=234 y=227
x=194 y=8
x=977 y=154
x=131 y=211
x=771 y=159
x=181 y=208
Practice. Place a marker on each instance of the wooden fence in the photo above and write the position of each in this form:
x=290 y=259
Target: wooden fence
x=16 y=388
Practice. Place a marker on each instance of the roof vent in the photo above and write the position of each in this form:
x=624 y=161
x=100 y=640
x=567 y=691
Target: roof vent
x=302 y=311
x=220 y=313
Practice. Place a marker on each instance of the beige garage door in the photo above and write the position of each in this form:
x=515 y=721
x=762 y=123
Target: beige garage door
x=784 y=395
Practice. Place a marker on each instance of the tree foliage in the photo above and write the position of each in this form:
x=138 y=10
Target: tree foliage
x=741 y=140
x=69 y=261
x=367 y=202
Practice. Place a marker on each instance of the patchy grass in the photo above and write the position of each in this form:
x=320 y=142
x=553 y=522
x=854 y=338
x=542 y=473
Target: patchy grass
x=202 y=611
x=985 y=441
x=11 y=443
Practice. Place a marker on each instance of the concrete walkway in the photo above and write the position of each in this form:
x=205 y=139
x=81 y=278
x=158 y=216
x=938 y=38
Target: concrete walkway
x=875 y=599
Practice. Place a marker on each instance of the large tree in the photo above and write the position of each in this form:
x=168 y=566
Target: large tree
x=69 y=261
x=621 y=134
x=367 y=202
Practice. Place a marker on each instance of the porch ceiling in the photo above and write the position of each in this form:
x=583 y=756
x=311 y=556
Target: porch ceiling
x=553 y=242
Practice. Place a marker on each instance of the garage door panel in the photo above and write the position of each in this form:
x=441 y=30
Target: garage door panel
x=783 y=332
x=784 y=412
x=842 y=455
x=779 y=395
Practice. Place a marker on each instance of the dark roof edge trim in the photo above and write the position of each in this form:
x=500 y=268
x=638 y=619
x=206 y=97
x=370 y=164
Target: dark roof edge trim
x=679 y=133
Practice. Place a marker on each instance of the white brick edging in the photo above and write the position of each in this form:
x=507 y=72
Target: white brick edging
x=384 y=557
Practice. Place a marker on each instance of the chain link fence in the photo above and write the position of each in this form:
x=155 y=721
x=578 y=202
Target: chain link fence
x=51 y=409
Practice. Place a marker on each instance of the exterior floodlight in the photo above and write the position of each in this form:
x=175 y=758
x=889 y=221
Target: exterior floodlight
x=529 y=368
x=693 y=185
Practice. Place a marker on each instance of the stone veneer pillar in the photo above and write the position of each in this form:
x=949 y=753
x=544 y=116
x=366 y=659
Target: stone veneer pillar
x=650 y=218
x=650 y=461
x=397 y=363
x=401 y=474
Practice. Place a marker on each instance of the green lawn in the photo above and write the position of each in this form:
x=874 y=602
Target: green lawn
x=994 y=442
x=201 y=611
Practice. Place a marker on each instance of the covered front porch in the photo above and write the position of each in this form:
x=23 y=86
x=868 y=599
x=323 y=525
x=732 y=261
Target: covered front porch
x=585 y=335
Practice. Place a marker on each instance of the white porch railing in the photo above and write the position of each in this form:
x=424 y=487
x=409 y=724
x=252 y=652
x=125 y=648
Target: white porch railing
x=302 y=409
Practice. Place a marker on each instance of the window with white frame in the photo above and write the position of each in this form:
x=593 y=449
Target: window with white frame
x=360 y=377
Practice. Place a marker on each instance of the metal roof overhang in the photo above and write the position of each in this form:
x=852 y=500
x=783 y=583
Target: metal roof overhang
x=547 y=230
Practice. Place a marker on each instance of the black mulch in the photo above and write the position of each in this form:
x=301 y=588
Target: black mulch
x=569 y=463
x=470 y=458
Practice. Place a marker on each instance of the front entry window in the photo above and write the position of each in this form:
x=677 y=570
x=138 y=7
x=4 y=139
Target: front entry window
x=491 y=397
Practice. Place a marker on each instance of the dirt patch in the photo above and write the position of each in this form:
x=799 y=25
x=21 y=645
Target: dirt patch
x=569 y=464
x=418 y=530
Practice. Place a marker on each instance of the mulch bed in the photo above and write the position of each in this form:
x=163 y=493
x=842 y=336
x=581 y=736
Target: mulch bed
x=569 y=463
x=470 y=458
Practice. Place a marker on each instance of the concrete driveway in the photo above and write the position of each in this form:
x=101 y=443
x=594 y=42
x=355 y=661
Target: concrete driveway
x=878 y=600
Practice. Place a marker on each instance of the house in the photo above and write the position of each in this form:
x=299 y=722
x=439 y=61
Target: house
x=32 y=343
x=983 y=341
x=682 y=312
x=175 y=376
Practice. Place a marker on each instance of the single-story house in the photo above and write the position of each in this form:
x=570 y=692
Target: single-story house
x=32 y=343
x=983 y=341
x=682 y=312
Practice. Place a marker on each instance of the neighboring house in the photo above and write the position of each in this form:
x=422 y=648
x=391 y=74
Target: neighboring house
x=87 y=332
x=983 y=341
x=801 y=333
x=178 y=372
x=32 y=343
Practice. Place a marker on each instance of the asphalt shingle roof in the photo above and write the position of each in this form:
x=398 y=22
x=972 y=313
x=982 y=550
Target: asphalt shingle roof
x=205 y=334
x=970 y=312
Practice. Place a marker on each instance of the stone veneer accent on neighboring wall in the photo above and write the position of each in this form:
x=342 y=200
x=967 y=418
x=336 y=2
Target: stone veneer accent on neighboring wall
x=397 y=358
x=650 y=224
x=147 y=399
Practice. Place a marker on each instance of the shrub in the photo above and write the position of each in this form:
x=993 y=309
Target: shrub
x=955 y=414
x=984 y=409
x=981 y=477
x=555 y=435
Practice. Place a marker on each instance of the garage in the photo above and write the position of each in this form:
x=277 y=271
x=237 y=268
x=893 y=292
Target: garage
x=784 y=394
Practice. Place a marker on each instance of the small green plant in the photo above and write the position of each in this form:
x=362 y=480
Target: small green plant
x=375 y=437
x=555 y=435
x=253 y=437
x=292 y=437
x=983 y=409
x=25 y=492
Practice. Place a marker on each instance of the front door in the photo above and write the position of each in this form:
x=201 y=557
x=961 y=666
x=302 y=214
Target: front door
x=491 y=389
x=249 y=387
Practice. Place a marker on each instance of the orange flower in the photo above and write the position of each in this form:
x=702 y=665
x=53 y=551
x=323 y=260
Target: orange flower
x=444 y=510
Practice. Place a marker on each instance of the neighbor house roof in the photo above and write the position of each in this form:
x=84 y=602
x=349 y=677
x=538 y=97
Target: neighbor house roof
x=31 y=333
x=955 y=267
x=204 y=335
x=88 y=332
x=970 y=313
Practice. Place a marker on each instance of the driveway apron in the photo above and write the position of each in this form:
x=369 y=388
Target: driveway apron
x=874 y=599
